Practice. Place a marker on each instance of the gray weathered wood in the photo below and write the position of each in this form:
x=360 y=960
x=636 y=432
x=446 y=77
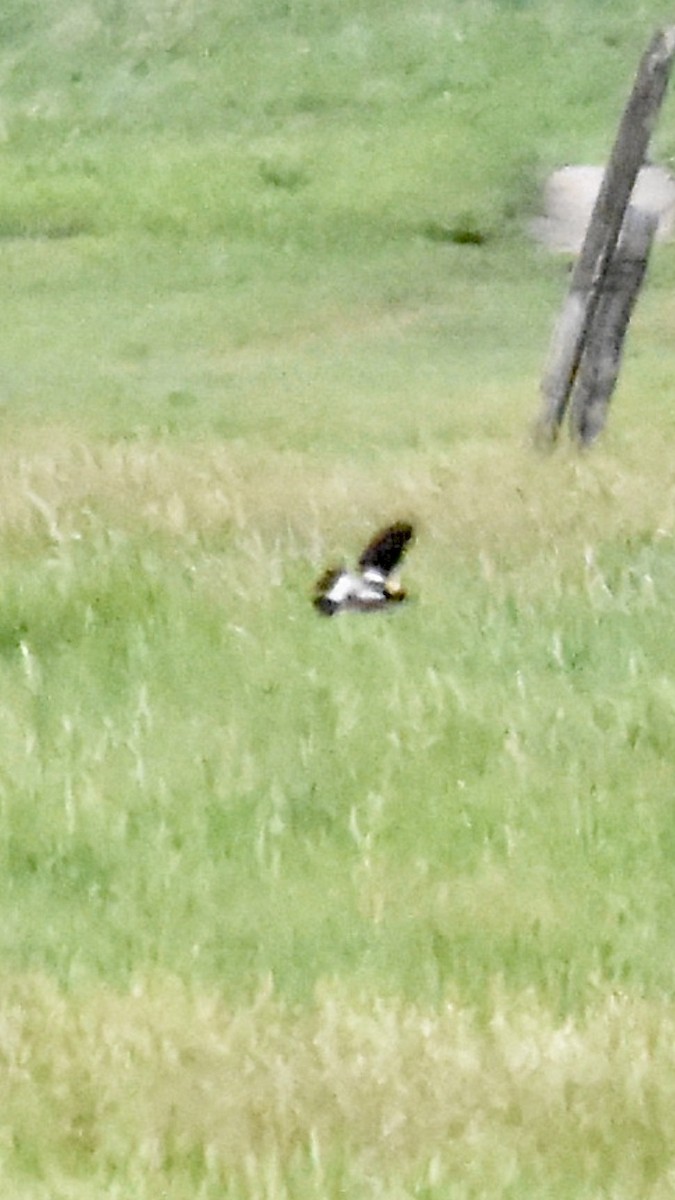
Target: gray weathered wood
x=599 y=367
x=628 y=155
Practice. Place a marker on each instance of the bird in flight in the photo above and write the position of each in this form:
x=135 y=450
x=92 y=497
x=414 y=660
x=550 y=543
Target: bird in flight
x=368 y=589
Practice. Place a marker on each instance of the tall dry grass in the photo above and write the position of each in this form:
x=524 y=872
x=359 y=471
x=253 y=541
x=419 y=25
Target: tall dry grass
x=164 y=1082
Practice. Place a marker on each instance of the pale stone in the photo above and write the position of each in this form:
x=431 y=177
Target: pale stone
x=569 y=196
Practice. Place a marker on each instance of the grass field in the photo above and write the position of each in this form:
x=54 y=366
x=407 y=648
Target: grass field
x=296 y=909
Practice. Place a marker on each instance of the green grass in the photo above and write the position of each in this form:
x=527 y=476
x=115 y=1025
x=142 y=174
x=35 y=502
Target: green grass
x=294 y=907
x=468 y=802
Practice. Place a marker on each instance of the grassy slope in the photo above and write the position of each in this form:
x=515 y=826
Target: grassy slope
x=444 y=838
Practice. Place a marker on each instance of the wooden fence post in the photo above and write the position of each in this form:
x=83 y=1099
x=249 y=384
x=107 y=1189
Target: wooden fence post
x=601 y=359
x=628 y=155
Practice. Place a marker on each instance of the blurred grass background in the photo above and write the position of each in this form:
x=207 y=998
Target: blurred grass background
x=292 y=907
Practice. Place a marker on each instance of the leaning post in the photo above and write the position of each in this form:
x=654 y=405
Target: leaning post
x=601 y=360
x=628 y=155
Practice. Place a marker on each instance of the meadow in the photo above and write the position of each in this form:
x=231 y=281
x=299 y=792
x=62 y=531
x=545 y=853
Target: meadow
x=291 y=907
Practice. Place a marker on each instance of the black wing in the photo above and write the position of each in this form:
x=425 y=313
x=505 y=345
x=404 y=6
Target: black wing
x=386 y=548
